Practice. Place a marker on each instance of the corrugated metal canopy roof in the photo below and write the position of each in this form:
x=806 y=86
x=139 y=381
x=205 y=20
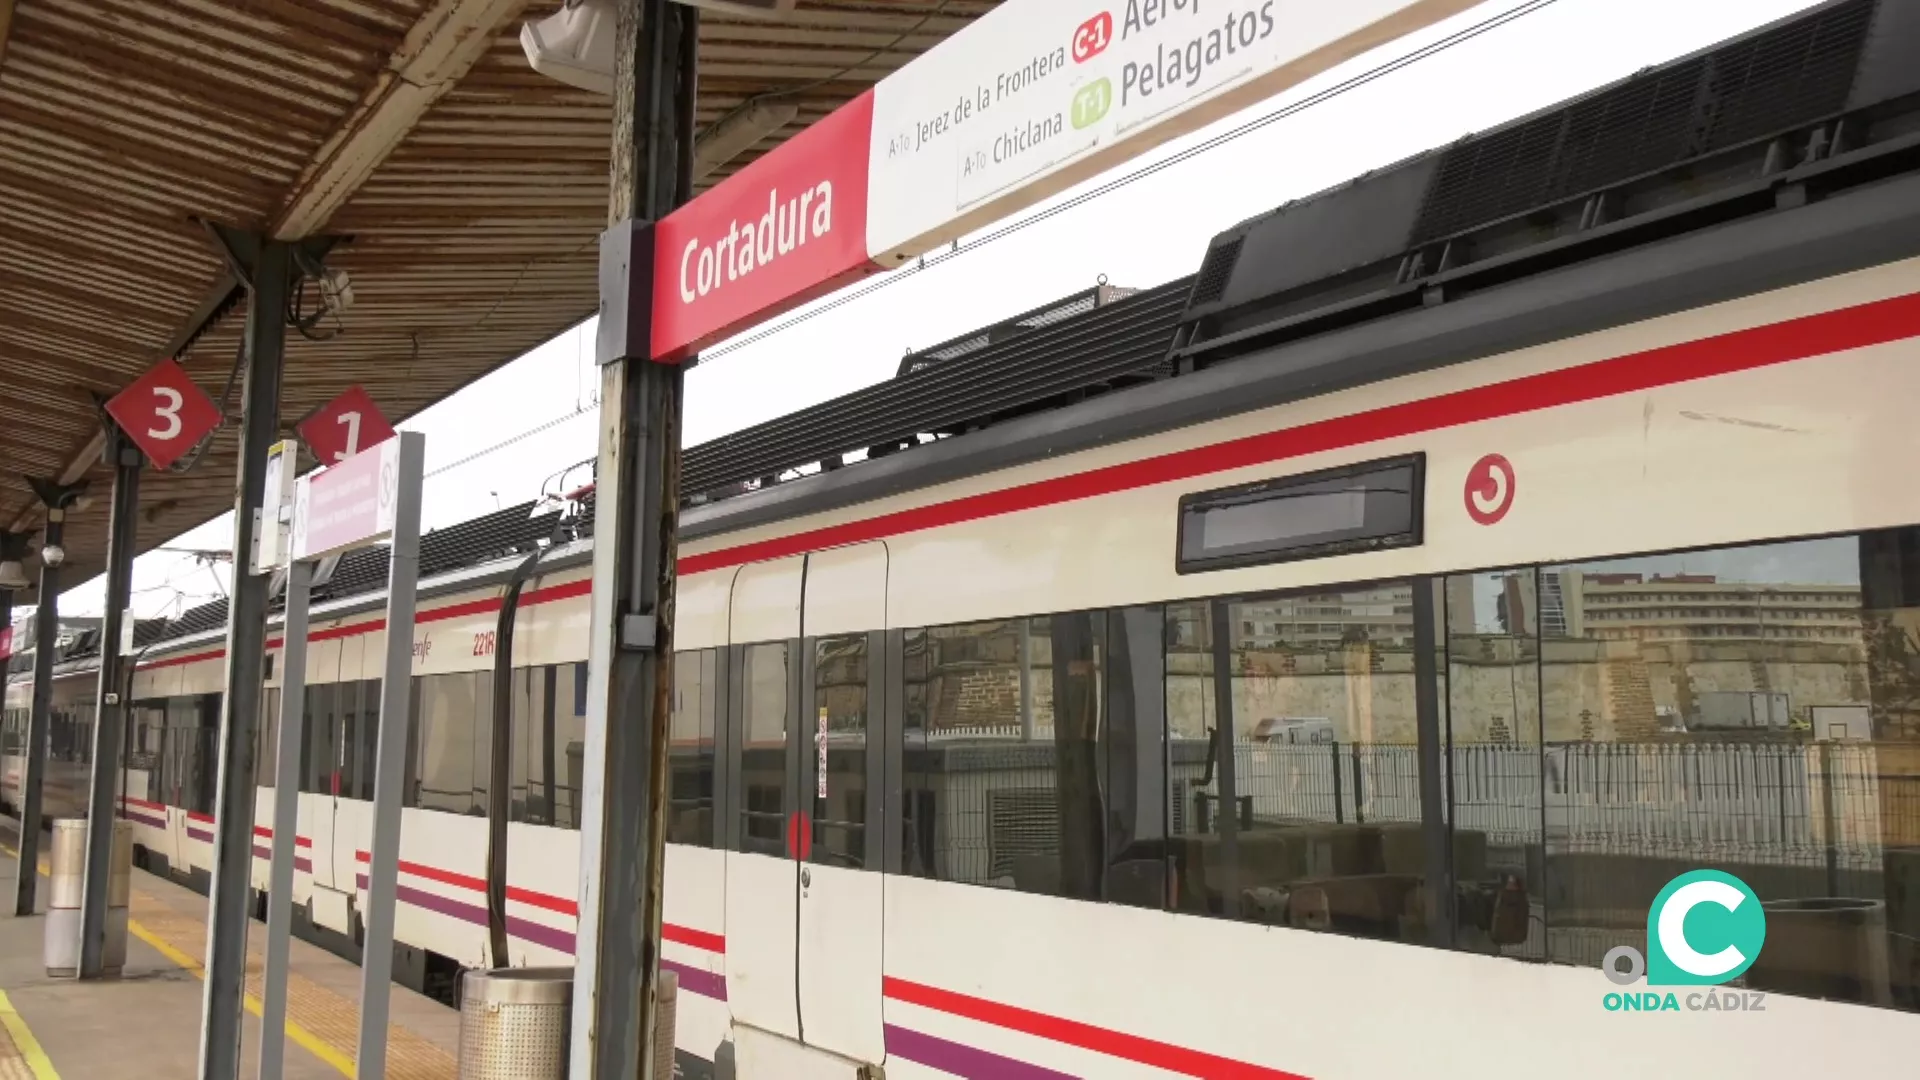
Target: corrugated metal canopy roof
x=471 y=189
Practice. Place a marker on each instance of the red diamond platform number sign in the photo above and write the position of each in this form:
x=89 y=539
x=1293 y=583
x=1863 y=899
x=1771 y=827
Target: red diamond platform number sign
x=164 y=413
x=344 y=426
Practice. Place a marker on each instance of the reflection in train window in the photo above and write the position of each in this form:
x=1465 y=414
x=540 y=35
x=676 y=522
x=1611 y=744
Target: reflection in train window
x=839 y=741
x=1754 y=710
x=1302 y=807
x=265 y=745
x=1013 y=777
x=763 y=760
x=1492 y=705
x=448 y=707
x=696 y=697
x=569 y=748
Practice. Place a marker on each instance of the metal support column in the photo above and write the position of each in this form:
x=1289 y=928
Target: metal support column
x=46 y=641
x=390 y=760
x=269 y=267
x=630 y=667
x=109 y=718
x=286 y=818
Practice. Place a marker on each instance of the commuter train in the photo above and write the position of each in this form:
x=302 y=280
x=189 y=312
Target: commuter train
x=1309 y=668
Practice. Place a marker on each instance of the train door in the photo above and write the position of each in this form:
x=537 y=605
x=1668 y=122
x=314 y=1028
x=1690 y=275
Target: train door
x=763 y=878
x=839 y=916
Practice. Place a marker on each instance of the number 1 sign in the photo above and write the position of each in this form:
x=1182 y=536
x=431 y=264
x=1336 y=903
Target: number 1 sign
x=164 y=413
x=344 y=426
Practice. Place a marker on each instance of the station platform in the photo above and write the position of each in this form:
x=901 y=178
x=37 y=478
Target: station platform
x=146 y=1024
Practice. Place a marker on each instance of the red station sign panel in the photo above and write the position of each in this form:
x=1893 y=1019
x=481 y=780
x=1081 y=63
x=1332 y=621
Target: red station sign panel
x=164 y=413
x=344 y=426
x=1020 y=105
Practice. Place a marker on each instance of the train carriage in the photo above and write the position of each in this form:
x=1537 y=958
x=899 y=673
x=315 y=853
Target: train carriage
x=1308 y=668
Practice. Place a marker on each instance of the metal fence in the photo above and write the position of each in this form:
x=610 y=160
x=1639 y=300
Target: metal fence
x=1828 y=806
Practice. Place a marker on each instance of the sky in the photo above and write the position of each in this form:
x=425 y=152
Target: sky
x=507 y=437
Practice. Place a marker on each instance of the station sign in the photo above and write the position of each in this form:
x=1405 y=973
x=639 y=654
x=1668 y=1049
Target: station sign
x=348 y=505
x=344 y=426
x=785 y=229
x=1026 y=101
x=164 y=413
x=273 y=537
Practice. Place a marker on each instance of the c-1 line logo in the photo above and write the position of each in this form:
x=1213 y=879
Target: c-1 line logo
x=1705 y=929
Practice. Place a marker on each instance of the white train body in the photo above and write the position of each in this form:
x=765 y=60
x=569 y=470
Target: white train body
x=1736 y=448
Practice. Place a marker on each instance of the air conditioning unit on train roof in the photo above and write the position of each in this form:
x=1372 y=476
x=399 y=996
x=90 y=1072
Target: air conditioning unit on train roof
x=575 y=44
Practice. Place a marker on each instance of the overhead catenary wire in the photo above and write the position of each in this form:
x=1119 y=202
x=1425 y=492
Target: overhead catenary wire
x=1399 y=63
x=504 y=443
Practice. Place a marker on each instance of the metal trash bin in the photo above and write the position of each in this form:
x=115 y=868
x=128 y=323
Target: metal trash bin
x=516 y=1024
x=67 y=856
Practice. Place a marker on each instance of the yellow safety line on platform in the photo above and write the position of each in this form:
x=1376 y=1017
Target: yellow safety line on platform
x=301 y=1037
x=35 y=1058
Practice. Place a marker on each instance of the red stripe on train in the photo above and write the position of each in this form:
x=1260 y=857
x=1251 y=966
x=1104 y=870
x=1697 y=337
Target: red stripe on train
x=684 y=935
x=1856 y=327
x=551 y=594
x=1159 y=1055
x=298 y=841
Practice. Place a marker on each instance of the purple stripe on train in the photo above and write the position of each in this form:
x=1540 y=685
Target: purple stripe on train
x=199 y=834
x=962 y=1060
x=304 y=866
x=693 y=980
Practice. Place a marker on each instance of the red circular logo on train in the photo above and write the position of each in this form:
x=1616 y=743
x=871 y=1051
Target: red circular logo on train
x=1489 y=489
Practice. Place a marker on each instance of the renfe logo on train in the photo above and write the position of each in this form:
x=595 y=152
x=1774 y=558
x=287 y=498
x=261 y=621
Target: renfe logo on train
x=1489 y=492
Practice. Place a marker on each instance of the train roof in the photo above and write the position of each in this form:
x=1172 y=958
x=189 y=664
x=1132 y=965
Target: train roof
x=1667 y=189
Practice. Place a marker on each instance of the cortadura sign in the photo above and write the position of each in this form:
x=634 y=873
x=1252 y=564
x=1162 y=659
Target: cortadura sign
x=1030 y=99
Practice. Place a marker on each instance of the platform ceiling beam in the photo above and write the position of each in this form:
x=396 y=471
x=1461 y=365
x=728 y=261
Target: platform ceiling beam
x=449 y=38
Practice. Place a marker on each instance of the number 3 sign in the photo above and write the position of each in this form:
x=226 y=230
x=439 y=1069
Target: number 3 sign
x=164 y=413
x=343 y=427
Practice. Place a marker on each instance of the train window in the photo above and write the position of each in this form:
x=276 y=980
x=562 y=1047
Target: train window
x=318 y=757
x=447 y=709
x=359 y=735
x=527 y=720
x=193 y=737
x=1492 y=696
x=1193 y=775
x=1138 y=868
x=696 y=697
x=1302 y=807
x=763 y=759
x=1363 y=507
x=266 y=732
x=1001 y=761
x=1753 y=710
x=839 y=743
x=562 y=758
x=482 y=742
x=146 y=733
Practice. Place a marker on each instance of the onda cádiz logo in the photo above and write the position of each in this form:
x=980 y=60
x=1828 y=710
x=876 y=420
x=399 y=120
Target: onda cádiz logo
x=1705 y=928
